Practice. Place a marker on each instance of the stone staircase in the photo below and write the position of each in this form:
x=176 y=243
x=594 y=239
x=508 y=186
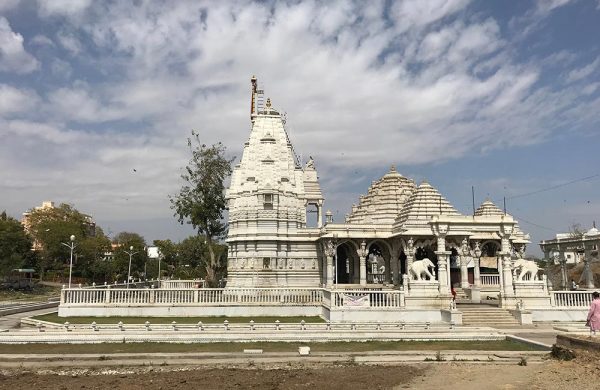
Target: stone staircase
x=461 y=296
x=486 y=315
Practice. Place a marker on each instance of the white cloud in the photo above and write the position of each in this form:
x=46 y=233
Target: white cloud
x=432 y=84
x=77 y=104
x=14 y=101
x=6 y=5
x=63 y=7
x=549 y=5
x=581 y=73
x=70 y=42
x=13 y=57
x=41 y=40
x=419 y=13
x=61 y=68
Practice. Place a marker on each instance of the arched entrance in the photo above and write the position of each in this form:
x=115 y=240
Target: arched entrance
x=346 y=264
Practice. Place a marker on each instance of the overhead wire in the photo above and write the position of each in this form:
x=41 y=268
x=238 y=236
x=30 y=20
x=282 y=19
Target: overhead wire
x=554 y=187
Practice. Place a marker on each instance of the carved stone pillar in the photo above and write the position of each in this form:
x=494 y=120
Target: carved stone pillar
x=476 y=273
x=464 y=272
x=443 y=257
x=508 y=291
x=477 y=264
x=410 y=255
x=329 y=271
x=507 y=275
x=465 y=251
x=362 y=256
x=329 y=252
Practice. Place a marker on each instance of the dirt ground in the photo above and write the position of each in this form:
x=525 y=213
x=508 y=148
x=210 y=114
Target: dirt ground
x=581 y=373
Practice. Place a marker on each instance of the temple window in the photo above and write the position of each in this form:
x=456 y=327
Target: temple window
x=268 y=201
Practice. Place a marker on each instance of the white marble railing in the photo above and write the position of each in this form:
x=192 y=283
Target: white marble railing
x=364 y=298
x=492 y=280
x=174 y=284
x=571 y=298
x=195 y=296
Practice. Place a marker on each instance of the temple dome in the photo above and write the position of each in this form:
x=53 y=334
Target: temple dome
x=424 y=203
x=488 y=208
x=384 y=200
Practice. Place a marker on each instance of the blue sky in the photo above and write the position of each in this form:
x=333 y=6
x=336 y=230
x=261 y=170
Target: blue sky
x=500 y=95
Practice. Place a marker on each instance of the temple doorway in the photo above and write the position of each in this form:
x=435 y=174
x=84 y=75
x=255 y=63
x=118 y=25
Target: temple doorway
x=345 y=265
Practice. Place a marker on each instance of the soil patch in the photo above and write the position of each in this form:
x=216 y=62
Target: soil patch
x=275 y=377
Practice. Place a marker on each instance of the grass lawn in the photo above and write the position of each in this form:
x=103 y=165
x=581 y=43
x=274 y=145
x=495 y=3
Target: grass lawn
x=53 y=317
x=107 y=348
x=38 y=293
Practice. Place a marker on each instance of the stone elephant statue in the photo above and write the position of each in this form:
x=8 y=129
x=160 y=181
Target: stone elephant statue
x=420 y=267
x=526 y=267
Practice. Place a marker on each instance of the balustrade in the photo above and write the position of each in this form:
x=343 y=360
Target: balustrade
x=572 y=298
x=367 y=298
x=490 y=280
x=185 y=296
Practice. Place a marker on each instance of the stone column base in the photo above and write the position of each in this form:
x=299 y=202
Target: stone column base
x=474 y=294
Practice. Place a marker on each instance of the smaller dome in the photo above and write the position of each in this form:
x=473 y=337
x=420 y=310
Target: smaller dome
x=592 y=232
x=488 y=208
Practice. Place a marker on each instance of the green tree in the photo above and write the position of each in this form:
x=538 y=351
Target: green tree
x=193 y=252
x=15 y=244
x=201 y=200
x=169 y=255
x=52 y=226
x=132 y=243
x=91 y=258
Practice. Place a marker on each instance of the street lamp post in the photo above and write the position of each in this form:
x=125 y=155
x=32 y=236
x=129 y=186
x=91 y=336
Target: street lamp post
x=130 y=253
x=159 y=261
x=71 y=246
x=146 y=264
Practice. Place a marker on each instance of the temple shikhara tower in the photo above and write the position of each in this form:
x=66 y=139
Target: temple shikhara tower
x=269 y=244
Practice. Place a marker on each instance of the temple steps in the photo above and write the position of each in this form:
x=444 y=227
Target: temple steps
x=486 y=315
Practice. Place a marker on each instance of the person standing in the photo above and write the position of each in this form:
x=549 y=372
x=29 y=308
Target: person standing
x=593 y=318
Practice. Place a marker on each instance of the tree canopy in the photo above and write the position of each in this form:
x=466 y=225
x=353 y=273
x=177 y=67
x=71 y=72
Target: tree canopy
x=52 y=226
x=201 y=200
x=129 y=243
x=15 y=244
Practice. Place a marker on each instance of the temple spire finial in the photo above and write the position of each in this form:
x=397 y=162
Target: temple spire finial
x=268 y=104
x=253 y=82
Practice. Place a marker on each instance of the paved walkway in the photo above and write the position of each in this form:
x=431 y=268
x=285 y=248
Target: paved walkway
x=12 y=321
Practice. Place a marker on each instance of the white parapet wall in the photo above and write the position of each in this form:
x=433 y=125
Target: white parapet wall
x=336 y=305
x=191 y=302
x=565 y=306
